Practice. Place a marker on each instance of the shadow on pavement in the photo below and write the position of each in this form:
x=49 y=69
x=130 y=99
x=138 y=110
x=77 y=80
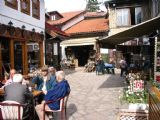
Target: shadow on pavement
x=113 y=81
x=69 y=71
x=71 y=109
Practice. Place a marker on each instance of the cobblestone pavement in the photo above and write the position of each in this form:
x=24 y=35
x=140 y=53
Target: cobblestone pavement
x=93 y=97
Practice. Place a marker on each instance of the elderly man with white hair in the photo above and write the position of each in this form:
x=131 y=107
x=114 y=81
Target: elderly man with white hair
x=60 y=90
x=19 y=93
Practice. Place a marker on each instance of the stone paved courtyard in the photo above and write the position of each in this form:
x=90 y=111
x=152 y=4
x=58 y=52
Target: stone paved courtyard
x=93 y=97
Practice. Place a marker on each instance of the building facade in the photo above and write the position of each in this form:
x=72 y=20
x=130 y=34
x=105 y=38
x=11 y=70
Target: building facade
x=22 y=25
x=53 y=38
x=145 y=38
x=124 y=35
x=83 y=29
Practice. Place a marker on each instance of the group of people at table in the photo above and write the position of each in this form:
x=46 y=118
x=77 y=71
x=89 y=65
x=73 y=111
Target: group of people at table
x=51 y=84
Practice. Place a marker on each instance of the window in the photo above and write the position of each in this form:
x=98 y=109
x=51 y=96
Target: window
x=11 y=3
x=25 y=6
x=123 y=17
x=138 y=15
x=53 y=17
x=36 y=9
x=155 y=8
x=129 y=16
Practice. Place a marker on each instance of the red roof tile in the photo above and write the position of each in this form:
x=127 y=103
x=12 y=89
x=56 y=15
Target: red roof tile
x=66 y=17
x=95 y=14
x=89 y=25
x=55 y=31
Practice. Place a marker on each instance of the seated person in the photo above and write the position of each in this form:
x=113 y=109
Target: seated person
x=109 y=67
x=63 y=63
x=3 y=82
x=19 y=93
x=52 y=71
x=44 y=82
x=10 y=80
x=100 y=66
x=60 y=90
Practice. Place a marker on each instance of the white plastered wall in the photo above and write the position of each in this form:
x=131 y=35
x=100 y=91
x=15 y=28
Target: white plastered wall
x=18 y=18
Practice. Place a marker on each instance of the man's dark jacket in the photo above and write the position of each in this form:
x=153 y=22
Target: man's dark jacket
x=60 y=90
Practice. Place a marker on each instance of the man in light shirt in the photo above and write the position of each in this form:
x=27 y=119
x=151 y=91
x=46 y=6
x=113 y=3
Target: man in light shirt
x=61 y=89
x=44 y=82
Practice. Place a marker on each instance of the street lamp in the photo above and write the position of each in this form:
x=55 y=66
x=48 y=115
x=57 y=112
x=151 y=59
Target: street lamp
x=10 y=23
x=41 y=32
x=33 y=30
x=23 y=27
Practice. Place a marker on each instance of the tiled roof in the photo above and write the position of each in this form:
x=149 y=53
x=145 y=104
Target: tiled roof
x=54 y=12
x=95 y=14
x=66 y=17
x=89 y=26
x=53 y=31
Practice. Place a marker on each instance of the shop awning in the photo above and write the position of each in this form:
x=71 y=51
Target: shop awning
x=79 y=42
x=136 y=31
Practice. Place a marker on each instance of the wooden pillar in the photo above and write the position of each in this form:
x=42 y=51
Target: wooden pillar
x=25 y=58
x=11 y=53
x=98 y=55
x=59 y=55
x=1 y=63
x=41 y=54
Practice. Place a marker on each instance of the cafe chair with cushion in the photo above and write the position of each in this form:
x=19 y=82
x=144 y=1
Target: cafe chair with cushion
x=62 y=110
x=11 y=110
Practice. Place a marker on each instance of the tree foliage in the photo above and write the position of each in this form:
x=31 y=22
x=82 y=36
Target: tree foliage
x=92 y=6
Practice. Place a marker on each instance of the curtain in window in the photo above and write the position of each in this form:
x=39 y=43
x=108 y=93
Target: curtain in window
x=35 y=8
x=138 y=15
x=35 y=11
x=155 y=8
x=123 y=17
x=24 y=5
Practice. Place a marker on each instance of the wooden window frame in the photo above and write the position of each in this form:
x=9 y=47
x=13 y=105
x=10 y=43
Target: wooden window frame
x=26 y=11
x=37 y=6
x=11 y=5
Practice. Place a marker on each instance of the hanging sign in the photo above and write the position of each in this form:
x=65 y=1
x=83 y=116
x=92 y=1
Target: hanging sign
x=138 y=85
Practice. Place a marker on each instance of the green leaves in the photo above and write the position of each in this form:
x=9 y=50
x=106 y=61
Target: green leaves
x=137 y=97
x=92 y=6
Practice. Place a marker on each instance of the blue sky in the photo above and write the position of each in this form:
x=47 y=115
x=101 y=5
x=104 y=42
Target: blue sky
x=66 y=5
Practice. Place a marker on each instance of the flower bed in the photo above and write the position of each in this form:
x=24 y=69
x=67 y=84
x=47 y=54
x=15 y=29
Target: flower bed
x=135 y=97
x=135 y=93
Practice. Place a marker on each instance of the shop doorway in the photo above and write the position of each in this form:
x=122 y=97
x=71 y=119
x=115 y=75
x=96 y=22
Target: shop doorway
x=79 y=52
x=33 y=56
x=4 y=57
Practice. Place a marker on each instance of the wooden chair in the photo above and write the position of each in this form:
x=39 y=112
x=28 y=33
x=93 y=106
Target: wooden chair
x=62 y=110
x=11 y=110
